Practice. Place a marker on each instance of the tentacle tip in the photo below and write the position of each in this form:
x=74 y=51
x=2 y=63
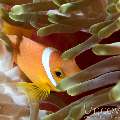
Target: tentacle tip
x=65 y=8
x=99 y=53
x=41 y=33
x=50 y=14
x=11 y=15
x=92 y=30
x=17 y=9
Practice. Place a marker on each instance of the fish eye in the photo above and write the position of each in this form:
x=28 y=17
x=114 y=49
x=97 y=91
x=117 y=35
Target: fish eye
x=59 y=73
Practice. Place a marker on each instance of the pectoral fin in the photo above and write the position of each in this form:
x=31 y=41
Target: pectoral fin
x=34 y=92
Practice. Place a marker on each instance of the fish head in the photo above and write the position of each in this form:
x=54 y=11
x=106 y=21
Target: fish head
x=62 y=68
x=43 y=65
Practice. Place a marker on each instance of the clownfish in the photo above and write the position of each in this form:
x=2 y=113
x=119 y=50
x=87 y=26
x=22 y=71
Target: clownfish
x=41 y=64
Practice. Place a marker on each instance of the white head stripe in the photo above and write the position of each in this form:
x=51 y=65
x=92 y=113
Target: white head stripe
x=46 y=63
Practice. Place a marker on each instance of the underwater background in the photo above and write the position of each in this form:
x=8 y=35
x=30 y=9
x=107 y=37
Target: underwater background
x=84 y=31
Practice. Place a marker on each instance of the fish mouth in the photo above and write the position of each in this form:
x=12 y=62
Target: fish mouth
x=53 y=88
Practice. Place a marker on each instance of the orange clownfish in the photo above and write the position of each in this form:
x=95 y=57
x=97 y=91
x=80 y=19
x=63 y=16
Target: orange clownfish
x=43 y=66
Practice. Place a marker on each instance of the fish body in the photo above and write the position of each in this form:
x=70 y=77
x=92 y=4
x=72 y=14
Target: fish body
x=41 y=64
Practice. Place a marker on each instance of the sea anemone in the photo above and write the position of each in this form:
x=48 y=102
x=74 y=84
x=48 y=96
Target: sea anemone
x=92 y=93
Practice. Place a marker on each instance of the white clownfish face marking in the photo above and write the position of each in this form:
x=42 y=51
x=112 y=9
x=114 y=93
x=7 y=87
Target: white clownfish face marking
x=46 y=63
